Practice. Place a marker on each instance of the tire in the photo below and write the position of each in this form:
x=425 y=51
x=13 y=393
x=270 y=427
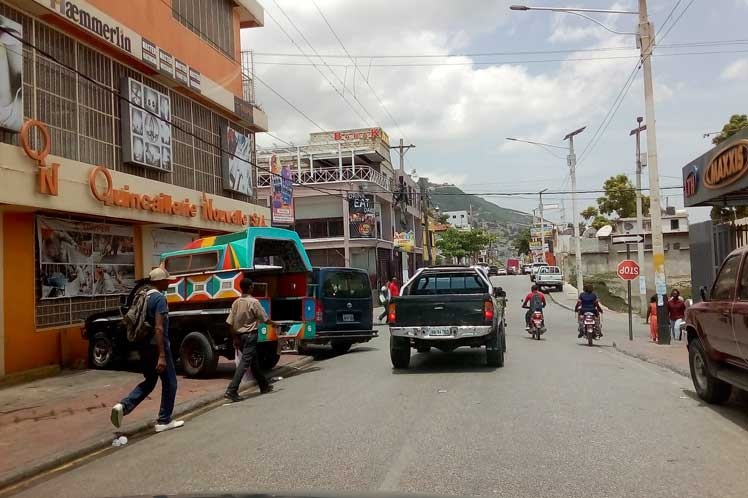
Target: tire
x=589 y=339
x=423 y=349
x=198 y=357
x=341 y=347
x=400 y=352
x=708 y=387
x=100 y=351
x=559 y=288
x=495 y=357
x=267 y=355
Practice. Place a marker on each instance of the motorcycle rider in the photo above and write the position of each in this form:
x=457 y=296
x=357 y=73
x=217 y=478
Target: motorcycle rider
x=534 y=301
x=588 y=303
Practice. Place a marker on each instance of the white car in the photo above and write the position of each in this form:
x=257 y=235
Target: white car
x=501 y=271
x=535 y=268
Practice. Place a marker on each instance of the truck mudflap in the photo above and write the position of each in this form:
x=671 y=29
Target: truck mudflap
x=442 y=333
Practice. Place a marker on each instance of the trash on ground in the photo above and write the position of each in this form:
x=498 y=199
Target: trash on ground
x=120 y=441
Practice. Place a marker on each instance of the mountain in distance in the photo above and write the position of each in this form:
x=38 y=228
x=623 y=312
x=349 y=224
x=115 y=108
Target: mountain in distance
x=450 y=198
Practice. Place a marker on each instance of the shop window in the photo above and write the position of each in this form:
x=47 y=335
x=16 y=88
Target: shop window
x=211 y=20
x=675 y=224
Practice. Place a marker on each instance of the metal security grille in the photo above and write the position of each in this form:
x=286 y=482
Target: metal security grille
x=84 y=125
x=211 y=20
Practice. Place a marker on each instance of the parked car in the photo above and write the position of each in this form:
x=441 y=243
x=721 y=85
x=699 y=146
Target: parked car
x=526 y=269
x=550 y=277
x=535 y=268
x=446 y=308
x=502 y=271
x=343 y=307
x=717 y=332
x=493 y=270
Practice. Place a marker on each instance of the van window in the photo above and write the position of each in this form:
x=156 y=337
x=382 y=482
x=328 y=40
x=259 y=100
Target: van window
x=346 y=285
x=447 y=283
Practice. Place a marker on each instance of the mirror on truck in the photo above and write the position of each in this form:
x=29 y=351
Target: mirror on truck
x=704 y=293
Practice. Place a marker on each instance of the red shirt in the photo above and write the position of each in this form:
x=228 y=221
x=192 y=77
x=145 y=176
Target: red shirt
x=394 y=289
x=528 y=298
x=676 y=308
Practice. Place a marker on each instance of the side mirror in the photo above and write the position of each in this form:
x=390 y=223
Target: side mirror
x=704 y=293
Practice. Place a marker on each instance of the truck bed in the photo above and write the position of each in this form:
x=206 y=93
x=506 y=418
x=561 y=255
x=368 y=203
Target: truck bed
x=443 y=309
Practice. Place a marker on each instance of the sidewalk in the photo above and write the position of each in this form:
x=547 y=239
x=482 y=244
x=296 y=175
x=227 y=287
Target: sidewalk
x=616 y=329
x=48 y=422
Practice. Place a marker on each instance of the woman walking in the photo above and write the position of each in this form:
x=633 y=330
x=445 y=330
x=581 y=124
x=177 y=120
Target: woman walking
x=652 y=318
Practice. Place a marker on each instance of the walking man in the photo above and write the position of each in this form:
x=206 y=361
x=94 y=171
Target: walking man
x=393 y=290
x=155 y=358
x=246 y=316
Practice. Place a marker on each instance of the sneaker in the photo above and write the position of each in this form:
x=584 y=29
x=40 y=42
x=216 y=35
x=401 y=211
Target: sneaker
x=266 y=389
x=171 y=425
x=233 y=397
x=118 y=411
x=581 y=334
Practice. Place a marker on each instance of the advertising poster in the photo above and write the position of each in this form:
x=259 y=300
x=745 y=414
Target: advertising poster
x=167 y=241
x=146 y=126
x=282 y=207
x=236 y=165
x=362 y=219
x=11 y=76
x=405 y=240
x=79 y=259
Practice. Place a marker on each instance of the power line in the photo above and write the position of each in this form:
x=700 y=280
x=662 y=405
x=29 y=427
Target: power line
x=678 y=18
x=284 y=99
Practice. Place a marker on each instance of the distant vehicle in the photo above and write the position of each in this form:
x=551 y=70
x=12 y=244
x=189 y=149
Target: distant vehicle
x=526 y=269
x=446 y=308
x=502 y=271
x=493 y=270
x=550 y=277
x=717 y=332
x=535 y=268
x=512 y=266
x=343 y=307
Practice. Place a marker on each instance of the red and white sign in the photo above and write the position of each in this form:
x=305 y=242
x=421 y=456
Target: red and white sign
x=627 y=269
x=347 y=136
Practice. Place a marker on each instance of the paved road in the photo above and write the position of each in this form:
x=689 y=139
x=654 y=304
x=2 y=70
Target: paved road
x=559 y=420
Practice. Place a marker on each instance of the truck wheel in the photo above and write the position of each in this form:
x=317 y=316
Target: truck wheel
x=341 y=347
x=267 y=355
x=199 y=359
x=559 y=288
x=494 y=356
x=400 y=352
x=708 y=387
x=100 y=351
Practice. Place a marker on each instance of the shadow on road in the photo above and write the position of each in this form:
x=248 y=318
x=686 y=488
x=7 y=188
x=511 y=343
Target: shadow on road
x=322 y=353
x=736 y=409
x=455 y=362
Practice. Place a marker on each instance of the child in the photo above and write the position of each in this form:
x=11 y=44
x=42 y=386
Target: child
x=652 y=318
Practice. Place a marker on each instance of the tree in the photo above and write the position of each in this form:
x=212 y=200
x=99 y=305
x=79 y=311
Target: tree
x=589 y=212
x=620 y=198
x=461 y=243
x=736 y=123
x=522 y=242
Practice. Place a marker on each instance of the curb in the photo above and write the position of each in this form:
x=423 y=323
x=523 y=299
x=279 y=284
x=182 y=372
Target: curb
x=550 y=294
x=684 y=371
x=100 y=444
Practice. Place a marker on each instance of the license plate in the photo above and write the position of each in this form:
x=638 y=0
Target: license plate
x=348 y=317
x=440 y=331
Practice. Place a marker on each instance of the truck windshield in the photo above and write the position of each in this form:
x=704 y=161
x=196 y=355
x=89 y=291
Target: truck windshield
x=447 y=283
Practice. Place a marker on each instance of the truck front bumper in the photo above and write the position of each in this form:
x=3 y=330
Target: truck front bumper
x=438 y=333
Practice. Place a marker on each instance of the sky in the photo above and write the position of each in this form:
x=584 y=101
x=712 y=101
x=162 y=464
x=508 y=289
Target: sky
x=459 y=110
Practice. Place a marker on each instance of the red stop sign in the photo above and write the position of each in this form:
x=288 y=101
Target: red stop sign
x=627 y=269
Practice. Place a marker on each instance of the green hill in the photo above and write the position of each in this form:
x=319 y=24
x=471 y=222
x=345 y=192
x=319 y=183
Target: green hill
x=451 y=198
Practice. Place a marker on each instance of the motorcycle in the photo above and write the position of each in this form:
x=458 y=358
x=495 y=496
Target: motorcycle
x=537 y=324
x=591 y=327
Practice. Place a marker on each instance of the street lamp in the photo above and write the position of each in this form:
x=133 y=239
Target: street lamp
x=646 y=45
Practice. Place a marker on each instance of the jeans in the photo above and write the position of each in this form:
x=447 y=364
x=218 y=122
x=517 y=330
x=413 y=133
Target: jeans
x=148 y=362
x=248 y=360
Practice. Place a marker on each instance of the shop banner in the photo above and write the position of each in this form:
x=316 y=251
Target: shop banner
x=237 y=161
x=145 y=126
x=82 y=259
x=362 y=219
x=11 y=75
x=405 y=240
x=167 y=241
x=281 y=203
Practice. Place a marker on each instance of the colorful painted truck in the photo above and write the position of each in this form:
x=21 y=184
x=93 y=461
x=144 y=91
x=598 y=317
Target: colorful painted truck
x=206 y=276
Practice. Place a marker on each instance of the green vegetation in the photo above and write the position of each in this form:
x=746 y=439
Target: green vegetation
x=458 y=243
x=451 y=198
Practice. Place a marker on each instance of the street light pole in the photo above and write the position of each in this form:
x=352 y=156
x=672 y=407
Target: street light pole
x=643 y=302
x=575 y=215
x=542 y=225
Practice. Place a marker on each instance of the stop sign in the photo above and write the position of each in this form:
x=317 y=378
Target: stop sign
x=627 y=269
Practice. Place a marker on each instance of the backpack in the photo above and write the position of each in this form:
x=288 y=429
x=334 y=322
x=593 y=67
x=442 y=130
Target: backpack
x=536 y=304
x=135 y=321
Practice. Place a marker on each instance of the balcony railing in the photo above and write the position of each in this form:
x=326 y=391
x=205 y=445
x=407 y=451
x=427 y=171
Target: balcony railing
x=332 y=175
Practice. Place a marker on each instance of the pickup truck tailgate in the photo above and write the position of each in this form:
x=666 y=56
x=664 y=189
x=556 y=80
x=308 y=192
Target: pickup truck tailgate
x=446 y=309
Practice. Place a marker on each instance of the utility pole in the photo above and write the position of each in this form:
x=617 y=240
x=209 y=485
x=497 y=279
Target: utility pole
x=542 y=225
x=646 y=45
x=423 y=183
x=403 y=149
x=643 y=301
x=572 y=160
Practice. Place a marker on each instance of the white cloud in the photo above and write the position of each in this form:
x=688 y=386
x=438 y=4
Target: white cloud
x=736 y=71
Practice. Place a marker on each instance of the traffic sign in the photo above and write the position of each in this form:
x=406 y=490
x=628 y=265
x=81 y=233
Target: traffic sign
x=628 y=238
x=627 y=269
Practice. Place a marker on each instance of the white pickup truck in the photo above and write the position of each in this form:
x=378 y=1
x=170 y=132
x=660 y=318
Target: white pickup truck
x=550 y=277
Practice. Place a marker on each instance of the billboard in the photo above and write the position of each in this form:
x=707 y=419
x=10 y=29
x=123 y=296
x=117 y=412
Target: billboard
x=236 y=161
x=362 y=220
x=281 y=202
x=405 y=240
x=11 y=76
x=146 y=126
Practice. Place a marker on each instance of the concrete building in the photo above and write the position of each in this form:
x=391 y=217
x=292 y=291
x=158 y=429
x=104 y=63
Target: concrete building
x=352 y=208
x=458 y=219
x=118 y=143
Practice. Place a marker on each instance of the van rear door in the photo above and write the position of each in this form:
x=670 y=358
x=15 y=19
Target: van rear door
x=345 y=295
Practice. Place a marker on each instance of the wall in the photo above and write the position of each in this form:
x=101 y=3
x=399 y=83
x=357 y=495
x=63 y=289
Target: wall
x=322 y=206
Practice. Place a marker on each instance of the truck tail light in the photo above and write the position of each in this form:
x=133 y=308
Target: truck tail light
x=488 y=310
x=391 y=313
x=318 y=311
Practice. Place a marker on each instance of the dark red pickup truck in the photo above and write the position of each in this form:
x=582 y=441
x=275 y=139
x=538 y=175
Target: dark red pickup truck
x=718 y=332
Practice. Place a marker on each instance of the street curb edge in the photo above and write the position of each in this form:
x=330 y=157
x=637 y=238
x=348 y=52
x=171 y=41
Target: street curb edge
x=654 y=361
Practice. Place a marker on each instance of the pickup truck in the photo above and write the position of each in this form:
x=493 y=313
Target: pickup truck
x=535 y=268
x=550 y=277
x=717 y=332
x=446 y=308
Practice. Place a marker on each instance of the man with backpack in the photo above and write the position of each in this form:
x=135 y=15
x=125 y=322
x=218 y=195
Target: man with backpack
x=534 y=301
x=147 y=323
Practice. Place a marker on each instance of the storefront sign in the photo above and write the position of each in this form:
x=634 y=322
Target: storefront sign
x=281 y=202
x=145 y=126
x=727 y=166
x=405 y=240
x=92 y=21
x=49 y=175
x=236 y=162
x=361 y=216
x=352 y=136
x=691 y=183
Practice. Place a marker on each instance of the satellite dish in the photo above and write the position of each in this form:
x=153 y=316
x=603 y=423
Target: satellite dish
x=589 y=233
x=605 y=231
